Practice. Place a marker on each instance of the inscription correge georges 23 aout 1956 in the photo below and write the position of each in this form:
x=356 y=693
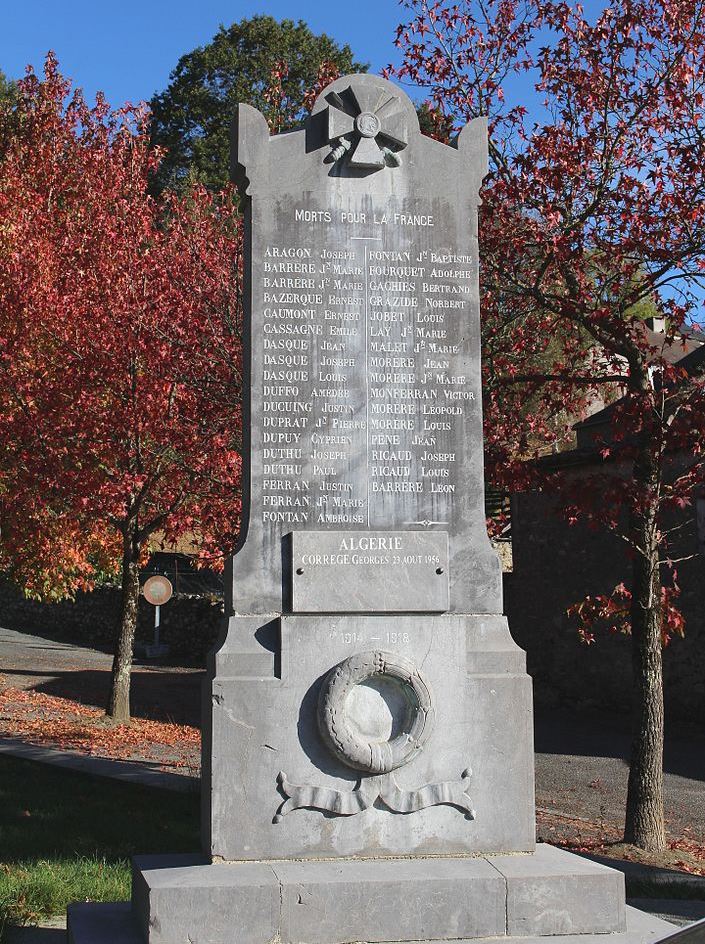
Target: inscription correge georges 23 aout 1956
x=360 y=394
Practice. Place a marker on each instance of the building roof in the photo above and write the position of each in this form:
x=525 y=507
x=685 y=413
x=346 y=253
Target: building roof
x=688 y=351
x=674 y=351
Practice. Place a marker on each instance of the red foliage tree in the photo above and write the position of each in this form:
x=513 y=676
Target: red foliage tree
x=281 y=110
x=593 y=209
x=120 y=353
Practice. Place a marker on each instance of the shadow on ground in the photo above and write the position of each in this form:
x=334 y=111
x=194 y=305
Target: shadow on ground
x=35 y=936
x=160 y=695
x=560 y=731
x=680 y=912
x=652 y=881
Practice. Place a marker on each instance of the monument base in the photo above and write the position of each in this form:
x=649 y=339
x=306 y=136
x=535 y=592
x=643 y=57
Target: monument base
x=524 y=898
x=266 y=764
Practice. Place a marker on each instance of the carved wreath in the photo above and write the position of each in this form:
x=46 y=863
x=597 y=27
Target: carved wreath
x=375 y=757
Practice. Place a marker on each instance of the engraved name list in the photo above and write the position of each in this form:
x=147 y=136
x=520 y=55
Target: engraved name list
x=366 y=374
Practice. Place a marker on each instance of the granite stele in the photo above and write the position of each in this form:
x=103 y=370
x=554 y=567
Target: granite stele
x=367 y=754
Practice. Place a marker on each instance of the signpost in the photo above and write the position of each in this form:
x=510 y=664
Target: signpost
x=157 y=591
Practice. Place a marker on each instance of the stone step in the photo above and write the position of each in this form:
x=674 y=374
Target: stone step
x=113 y=923
x=101 y=922
x=547 y=892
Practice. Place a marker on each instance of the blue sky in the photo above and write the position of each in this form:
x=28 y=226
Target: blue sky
x=128 y=49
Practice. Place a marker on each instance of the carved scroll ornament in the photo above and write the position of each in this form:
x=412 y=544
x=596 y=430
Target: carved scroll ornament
x=368 y=791
x=378 y=758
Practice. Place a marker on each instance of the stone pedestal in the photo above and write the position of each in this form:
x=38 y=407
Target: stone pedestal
x=524 y=899
x=464 y=867
x=543 y=893
x=286 y=784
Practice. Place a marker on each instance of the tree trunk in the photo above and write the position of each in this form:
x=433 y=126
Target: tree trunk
x=119 y=703
x=644 y=823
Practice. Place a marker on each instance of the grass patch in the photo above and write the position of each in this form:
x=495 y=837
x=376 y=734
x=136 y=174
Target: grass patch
x=66 y=836
x=32 y=890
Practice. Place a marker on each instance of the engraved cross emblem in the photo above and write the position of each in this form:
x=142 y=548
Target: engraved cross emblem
x=366 y=127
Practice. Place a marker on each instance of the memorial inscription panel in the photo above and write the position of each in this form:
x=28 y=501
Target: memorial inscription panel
x=369 y=572
x=365 y=375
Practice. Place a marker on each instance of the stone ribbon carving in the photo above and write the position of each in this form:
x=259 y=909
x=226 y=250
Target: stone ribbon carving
x=369 y=125
x=368 y=791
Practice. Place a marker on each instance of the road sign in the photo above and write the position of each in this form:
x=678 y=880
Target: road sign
x=157 y=590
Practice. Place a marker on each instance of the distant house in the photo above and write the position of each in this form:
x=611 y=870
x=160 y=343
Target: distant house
x=682 y=351
x=176 y=561
x=556 y=565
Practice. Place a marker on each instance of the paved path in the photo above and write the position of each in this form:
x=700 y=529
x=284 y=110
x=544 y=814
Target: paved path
x=145 y=772
x=582 y=769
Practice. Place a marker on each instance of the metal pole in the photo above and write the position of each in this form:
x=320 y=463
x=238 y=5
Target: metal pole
x=156 y=625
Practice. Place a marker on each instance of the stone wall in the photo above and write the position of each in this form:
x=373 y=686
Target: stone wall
x=556 y=565
x=189 y=624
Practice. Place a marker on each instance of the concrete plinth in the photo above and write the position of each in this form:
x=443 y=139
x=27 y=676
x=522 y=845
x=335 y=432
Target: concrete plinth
x=546 y=893
x=113 y=923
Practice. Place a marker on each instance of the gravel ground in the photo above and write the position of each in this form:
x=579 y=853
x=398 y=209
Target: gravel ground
x=582 y=769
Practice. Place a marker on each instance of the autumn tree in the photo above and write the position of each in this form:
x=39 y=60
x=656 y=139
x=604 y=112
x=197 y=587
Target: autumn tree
x=120 y=353
x=594 y=207
x=243 y=62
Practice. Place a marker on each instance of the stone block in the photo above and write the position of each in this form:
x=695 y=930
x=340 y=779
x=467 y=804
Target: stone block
x=546 y=893
x=409 y=900
x=206 y=904
x=393 y=900
x=265 y=742
x=101 y=923
x=491 y=648
x=318 y=902
x=145 y=864
x=554 y=892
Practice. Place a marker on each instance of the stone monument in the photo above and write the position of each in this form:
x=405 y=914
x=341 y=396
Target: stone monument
x=368 y=750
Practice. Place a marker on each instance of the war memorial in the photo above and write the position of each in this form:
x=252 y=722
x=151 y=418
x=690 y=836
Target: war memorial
x=368 y=739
